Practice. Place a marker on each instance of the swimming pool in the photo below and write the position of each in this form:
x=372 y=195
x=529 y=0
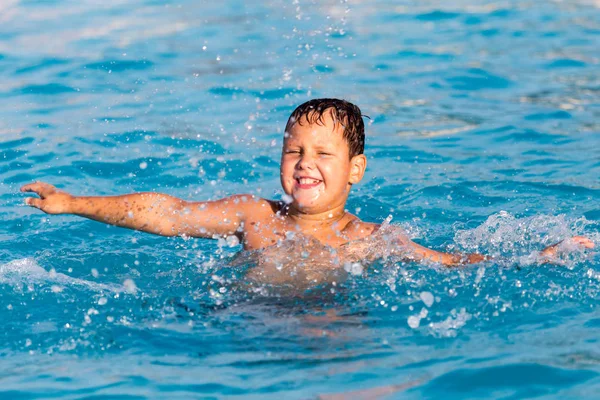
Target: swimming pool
x=483 y=135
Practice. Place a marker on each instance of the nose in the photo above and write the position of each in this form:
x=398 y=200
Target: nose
x=306 y=161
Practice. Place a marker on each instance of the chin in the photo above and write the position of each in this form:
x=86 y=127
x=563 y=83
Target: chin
x=304 y=205
x=303 y=200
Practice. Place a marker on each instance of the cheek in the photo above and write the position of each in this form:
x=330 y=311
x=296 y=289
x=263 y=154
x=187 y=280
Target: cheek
x=332 y=172
x=286 y=173
x=337 y=176
x=284 y=167
x=287 y=169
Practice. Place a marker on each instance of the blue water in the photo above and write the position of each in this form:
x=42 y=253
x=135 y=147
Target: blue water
x=484 y=136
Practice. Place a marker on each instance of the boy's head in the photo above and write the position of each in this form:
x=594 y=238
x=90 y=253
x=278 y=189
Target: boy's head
x=341 y=111
x=322 y=155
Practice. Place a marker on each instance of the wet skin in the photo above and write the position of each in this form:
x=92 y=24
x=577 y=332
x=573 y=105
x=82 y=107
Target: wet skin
x=317 y=153
x=317 y=174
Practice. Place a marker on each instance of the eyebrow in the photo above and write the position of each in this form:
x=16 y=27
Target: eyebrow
x=317 y=147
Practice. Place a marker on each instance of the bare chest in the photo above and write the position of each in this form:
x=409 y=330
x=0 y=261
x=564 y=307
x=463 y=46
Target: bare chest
x=266 y=232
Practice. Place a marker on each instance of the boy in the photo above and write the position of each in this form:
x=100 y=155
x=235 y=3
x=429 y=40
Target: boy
x=322 y=157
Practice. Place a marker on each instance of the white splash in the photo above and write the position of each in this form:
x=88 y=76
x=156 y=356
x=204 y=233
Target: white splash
x=415 y=320
x=521 y=239
x=450 y=326
x=27 y=271
x=355 y=269
x=427 y=298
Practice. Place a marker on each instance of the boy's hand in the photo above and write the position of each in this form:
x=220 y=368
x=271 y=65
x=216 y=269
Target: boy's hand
x=579 y=241
x=51 y=201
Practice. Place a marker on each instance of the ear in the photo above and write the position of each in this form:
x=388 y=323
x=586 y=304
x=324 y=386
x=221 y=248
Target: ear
x=358 y=164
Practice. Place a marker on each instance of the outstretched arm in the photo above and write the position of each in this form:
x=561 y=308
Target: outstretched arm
x=421 y=253
x=156 y=213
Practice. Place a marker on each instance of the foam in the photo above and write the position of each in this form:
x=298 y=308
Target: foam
x=519 y=240
x=27 y=271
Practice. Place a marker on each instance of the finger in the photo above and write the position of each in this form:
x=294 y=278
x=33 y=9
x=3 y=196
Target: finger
x=583 y=241
x=41 y=188
x=34 y=202
x=29 y=187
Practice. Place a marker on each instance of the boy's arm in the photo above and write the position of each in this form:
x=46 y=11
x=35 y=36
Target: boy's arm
x=149 y=212
x=421 y=253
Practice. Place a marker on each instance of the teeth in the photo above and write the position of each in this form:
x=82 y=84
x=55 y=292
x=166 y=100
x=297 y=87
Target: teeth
x=307 y=181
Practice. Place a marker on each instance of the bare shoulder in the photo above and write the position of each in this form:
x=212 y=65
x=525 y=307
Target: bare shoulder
x=253 y=206
x=357 y=229
x=242 y=200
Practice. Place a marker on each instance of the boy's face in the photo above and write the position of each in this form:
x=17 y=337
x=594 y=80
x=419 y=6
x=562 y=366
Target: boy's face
x=316 y=170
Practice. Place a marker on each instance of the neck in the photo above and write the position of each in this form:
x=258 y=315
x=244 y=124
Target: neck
x=305 y=220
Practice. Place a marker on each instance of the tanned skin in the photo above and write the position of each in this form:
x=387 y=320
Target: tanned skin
x=316 y=175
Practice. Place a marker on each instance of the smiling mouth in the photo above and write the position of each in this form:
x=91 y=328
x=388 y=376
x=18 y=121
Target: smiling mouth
x=307 y=183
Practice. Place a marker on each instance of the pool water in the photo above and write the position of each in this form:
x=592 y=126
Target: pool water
x=483 y=136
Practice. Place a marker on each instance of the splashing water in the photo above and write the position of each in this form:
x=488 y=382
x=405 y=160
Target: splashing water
x=27 y=272
x=474 y=107
x=518 y=240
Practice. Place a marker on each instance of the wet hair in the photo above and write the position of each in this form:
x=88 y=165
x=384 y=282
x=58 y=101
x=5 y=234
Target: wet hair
x=342 y=111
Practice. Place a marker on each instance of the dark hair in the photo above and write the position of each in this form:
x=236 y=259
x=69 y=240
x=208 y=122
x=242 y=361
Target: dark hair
x=342 y=112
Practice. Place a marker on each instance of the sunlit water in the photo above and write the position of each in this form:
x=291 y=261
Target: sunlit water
x=483 y=136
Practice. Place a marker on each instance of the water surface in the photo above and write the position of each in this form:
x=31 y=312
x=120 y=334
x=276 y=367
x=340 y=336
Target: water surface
x=483 y=136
